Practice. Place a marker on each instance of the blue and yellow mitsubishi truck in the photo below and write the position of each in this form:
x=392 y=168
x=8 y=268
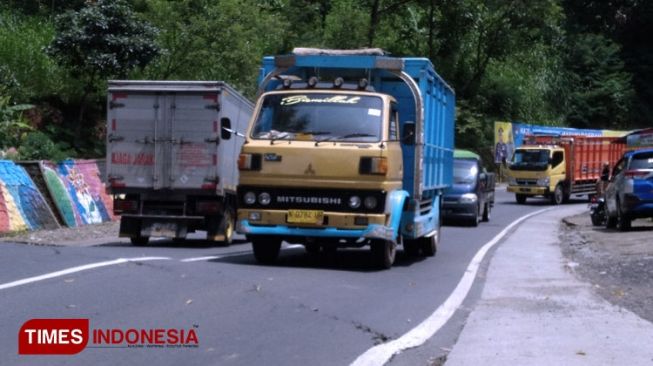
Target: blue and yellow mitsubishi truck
x=346 y=148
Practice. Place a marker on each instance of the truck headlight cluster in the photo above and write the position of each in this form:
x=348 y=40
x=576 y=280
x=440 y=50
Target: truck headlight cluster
x=543 y=181
x=354 y=202
x=264 y=198
x=512 y=181
x=370 y=202
x=249 y=198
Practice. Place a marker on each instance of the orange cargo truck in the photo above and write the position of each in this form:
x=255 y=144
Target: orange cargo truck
x=557 y=167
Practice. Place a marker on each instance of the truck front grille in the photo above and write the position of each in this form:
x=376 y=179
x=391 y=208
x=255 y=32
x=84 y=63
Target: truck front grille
x=336 y=200
x=527 y=182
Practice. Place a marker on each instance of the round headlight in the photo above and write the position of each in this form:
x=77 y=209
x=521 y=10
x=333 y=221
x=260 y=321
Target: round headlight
x=249 y=198
x=264 y=198
x=370 y=202
x=354 y=202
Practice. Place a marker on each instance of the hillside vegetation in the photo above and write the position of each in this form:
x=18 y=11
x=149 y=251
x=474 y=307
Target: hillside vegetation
x=577 y=63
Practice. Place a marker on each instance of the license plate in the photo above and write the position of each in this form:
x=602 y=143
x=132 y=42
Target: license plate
x=167 y=230
x=524 y=190
x=305 y=217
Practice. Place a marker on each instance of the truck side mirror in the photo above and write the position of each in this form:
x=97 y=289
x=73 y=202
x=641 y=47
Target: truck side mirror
x=408 y=133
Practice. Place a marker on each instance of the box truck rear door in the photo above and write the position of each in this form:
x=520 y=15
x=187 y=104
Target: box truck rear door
x=133 y=118
x=194 y=127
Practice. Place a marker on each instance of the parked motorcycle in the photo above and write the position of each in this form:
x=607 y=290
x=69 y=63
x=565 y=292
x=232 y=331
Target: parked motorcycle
x=597 y=211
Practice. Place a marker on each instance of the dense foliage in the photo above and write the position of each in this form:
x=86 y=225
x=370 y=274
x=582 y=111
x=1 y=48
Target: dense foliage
x=579 y=63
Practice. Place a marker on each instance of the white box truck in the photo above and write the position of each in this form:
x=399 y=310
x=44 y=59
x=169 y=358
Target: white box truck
x=172 y=157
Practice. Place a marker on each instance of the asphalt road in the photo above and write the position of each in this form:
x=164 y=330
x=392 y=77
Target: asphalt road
x=303 y=310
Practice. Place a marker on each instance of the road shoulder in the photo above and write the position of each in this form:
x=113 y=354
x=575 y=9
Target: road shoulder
x=534 y=311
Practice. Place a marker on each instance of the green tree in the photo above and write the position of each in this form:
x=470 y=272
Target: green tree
x=601 y=90
x=208 y=40
x=26 y=72
x=13 y=123
x=104 y=39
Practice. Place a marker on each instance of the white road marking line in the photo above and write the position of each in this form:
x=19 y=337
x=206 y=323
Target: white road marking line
x=380 y=354
x=77 y=269
x=235 y=254
x=197 y=259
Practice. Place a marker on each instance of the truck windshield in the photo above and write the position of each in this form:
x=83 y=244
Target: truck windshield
x=530 y=159
x=332 y=117
x=464 y=171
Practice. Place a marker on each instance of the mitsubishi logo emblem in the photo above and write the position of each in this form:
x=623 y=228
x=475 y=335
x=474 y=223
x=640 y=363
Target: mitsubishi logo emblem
x=309 y=170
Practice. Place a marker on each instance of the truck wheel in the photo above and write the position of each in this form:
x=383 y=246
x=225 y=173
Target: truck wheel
x=227 y=225
x=266 y=249
x=429 y=245
x=566 y=197
x=558 y=195
x=521 y=198
x=623 y=221
x=139 y=240
x=221 y=228
x=486 y=211
x=411 y=248
x=383 y=253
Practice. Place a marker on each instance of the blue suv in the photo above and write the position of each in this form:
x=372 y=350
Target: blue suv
x=629 y=194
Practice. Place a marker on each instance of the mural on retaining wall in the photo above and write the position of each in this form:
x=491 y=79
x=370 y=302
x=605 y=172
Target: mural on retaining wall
x=22 y=207
x=77 y=191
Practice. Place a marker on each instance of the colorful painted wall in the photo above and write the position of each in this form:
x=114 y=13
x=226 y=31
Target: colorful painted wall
x=70 y=193
x=22 y=206
x=77 y=191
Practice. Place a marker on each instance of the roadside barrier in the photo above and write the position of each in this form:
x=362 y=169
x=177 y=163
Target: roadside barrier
x=47 y=195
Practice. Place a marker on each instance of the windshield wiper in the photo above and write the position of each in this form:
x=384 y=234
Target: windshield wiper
x=351 y=135
x=279 y=136
x=358 y=134
x=314 y=133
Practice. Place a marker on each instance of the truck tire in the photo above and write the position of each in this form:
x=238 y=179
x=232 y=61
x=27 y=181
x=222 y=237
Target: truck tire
x=429 y=245
x=221 y=227
x=411 y=248
x=266 y=249
x=227 y=225
x=139 y=241
x=558 y=195
x=521 y=198
x=486 y=211
x=383 y=253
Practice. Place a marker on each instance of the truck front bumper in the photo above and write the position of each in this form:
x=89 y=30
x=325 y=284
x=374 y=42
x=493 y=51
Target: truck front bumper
x=340 y=225
x=529 y=190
